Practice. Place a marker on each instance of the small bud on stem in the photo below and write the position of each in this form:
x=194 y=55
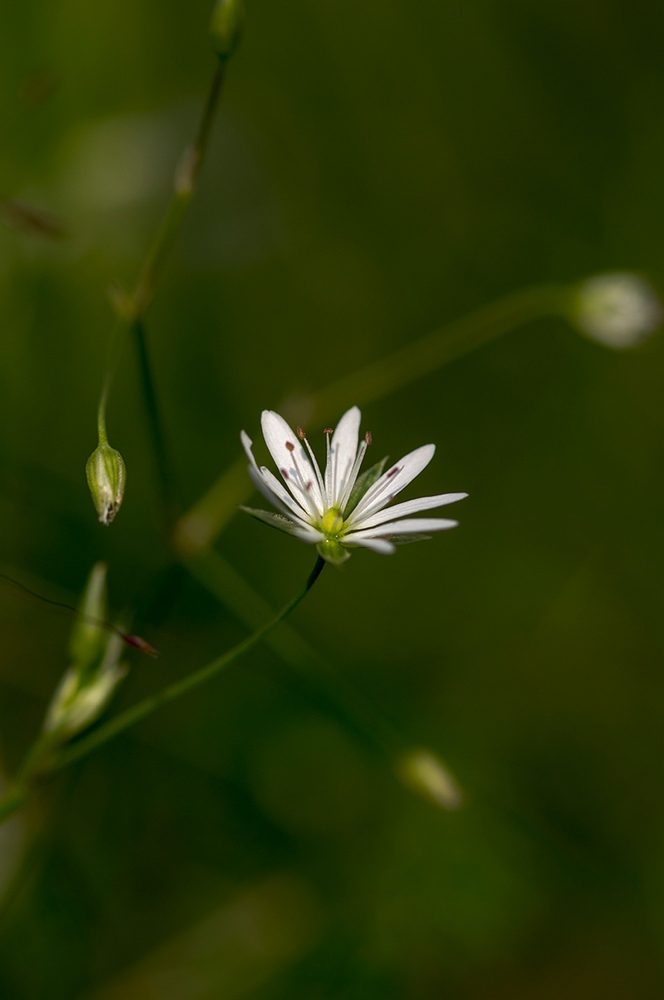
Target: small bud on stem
x=106 y=474
x=226 y=27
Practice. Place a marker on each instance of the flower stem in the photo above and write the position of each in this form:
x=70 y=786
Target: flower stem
x=340 y=695
x=203 y=522
x=133 y=715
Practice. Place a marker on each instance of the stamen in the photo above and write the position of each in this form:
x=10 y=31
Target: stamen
x=314 y=463
x=368 y=437
x=376 y=500
x=301 y=485
x=352 y=479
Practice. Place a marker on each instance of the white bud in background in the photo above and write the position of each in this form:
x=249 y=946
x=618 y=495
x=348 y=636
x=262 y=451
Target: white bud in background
x=618 y=310
x=425 y=773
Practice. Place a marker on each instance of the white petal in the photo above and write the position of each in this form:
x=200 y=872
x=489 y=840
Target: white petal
x=299 y=477
x=307 y=534
x=376 y=545
x=403 y=510
x=246 y=444
x=411 y=526
x=343 y=449
x=270 y=487
x=394 y=480
x=276 y=488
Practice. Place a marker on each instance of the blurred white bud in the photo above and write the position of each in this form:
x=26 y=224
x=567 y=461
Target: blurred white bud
x=619 y=310
x=78 y=700
x=88 y=636
x=90 y=681
x=425 y=773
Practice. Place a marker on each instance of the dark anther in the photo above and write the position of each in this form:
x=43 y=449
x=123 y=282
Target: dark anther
x=328 y=430
x=301 y=434
x=290 y=446
x=368 y=438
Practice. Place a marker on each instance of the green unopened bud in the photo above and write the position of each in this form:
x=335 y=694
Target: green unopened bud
x=425 y=773
x=226 y=27
x=106 y=475
x=619 y=310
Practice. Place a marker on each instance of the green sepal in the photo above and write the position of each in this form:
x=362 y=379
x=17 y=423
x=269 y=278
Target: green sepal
x=363 y=484
x=333 y=551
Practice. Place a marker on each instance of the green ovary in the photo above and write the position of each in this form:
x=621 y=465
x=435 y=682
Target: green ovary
x=331 y=523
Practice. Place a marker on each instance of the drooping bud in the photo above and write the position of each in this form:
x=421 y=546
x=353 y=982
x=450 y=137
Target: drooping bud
x=95 y=672
x=618 y=310
x=425 y=773
x=106 y=474
x=226 y=27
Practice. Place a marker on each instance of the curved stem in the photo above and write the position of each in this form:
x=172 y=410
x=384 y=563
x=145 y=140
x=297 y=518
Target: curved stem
x=37 y=769
x=133 y=715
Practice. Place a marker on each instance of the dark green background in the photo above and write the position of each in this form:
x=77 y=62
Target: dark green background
x=378 y=169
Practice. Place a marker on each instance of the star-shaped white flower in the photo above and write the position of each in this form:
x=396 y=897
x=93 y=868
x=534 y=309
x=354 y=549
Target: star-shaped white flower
x=342 y=508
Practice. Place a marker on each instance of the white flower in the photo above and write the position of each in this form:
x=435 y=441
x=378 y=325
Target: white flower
x=341 y=508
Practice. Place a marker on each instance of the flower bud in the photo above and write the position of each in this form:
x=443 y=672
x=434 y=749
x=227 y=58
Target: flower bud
x=226 y=27
x=106 y=473
x=618 y=310
x=426 y=774
x=77 y=703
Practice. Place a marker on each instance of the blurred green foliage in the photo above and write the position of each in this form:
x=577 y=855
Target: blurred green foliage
x=378 y=169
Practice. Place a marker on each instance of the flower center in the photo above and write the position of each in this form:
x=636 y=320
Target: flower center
x=331 y=522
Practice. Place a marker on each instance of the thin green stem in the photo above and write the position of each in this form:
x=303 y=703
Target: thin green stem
x=144 y=708
x=220 y=578
x=132 y=308
x=152 y=409
x=185 y=185
x=39 y=765
x=203 y=522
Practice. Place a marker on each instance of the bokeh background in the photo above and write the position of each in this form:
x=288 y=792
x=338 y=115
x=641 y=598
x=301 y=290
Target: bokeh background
x=378 y=169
